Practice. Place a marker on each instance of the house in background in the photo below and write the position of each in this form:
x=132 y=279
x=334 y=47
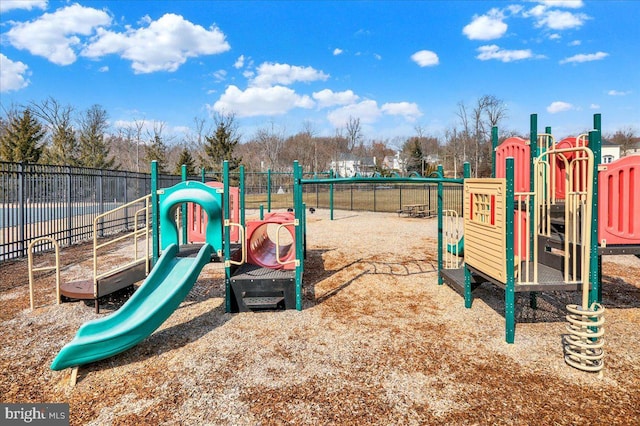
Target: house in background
x=349 y=165
x=394 y=163
x=610 y=152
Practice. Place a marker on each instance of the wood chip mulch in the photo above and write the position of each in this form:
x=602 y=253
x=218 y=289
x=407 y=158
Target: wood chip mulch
x=378 y=342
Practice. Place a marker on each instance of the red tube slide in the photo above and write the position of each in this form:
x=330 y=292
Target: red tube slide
x=271 y=239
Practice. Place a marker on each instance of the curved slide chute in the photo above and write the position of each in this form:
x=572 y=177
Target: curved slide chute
x=157 y=298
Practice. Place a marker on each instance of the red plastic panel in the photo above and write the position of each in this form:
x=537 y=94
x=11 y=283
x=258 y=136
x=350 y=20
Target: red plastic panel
x=519 y=149
x=197 y=219
x=261 y=241
x=619 y=200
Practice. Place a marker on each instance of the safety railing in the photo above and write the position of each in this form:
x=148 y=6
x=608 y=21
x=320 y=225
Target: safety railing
x=141 y=229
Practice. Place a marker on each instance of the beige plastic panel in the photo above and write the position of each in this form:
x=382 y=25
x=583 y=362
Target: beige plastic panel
x=485 y=242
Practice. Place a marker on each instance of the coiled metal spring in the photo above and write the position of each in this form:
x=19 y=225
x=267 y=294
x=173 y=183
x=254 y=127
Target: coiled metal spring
x=583 y=346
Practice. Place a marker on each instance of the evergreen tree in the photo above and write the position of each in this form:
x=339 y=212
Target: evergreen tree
x=21 y=139
x=222 y=143
x=157 y=150
x=414 y=160
x=94 y=149
x=64 y=145
x=186 y=159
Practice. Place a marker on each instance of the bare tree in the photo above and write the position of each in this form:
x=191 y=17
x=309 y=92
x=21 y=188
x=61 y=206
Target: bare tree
x=62 y=143
x=271 y=142
x=354 y=133
x=626 y=138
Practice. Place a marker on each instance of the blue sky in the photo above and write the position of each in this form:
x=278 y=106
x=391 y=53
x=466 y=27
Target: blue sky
x=395 y=65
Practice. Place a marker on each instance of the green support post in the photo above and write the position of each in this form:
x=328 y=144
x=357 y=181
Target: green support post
x=331 y=195
x=298 y=212
x=440 y=228
x=468 y=297
x=226 y=238
x=466 y=170
x=183 y=207
x=202 y=174
x=494 y=147
x=155 y=219
x=534 y=152
x=595 y=294
x=509 y=294
x=269 y=190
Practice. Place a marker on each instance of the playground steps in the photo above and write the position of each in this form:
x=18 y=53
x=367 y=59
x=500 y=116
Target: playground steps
x=455 y=279
x=257 y=288
x=118 y=280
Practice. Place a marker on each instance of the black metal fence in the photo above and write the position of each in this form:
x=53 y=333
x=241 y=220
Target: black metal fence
x=61 y=202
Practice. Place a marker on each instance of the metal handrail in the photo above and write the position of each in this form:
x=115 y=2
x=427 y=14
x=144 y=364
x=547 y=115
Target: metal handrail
x=137 y=233
x=243 y=243
x=284 y=225
x=56 y=267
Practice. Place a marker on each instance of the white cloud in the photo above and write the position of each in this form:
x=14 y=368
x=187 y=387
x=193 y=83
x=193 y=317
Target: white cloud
x=337 y=52
x=367 y=111
x=328 y=98
x=6 y=5
x=254 y=101
x=594 y=106
x=13 y=74
x=559 y=106
x=409 y=110
x=103 y=69
x=239 y=63
x=492 y=51
x=561 y=20
x=582 y=57
x=425 y=58
x=163 y=45
x=618 y=93
x=486 y=27
x=377 y=56
x=53 y=35
x=220 y=75
x=575 y=43
x=569 y=4
x=274 y=73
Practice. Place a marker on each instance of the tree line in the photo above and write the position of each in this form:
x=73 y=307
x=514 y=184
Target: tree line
x=48 y=132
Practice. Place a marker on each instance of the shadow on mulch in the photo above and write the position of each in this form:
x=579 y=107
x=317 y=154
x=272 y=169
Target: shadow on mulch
x=163 y=341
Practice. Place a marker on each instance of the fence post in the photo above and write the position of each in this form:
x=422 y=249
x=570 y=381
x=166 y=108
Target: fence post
x=126 y=200
x=21 y=210
x=440 y=226
x=69 y=205
x=374 y=197
x=100 y=204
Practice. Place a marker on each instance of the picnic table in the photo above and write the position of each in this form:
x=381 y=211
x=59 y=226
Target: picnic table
x=415 y=210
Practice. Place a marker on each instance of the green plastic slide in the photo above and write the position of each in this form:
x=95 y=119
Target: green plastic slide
x=161 y=293
x=456 y=249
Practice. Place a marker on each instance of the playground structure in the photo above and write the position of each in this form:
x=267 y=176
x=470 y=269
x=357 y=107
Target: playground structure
x=546 y=219
x=175 y=271
x=266 y=271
